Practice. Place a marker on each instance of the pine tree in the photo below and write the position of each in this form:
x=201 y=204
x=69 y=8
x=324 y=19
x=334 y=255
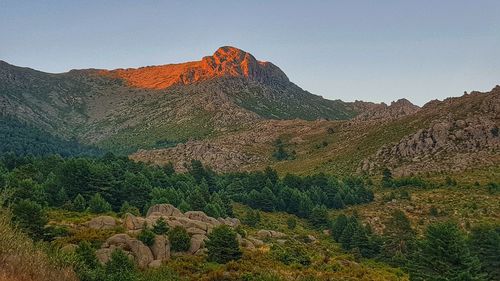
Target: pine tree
x=337 y=202
x=79 y=204
x=399 y=237
x=213 y=210
x=30 y=217
x=485 y=244
x=443 y=255
x=319 y=217
x=184 y=206
x=98 y=205
x=196 y=200
x=338 y=226
x=222 y=245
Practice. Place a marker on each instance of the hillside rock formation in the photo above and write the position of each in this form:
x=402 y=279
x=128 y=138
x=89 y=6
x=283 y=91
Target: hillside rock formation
x=197 y=224
x=382 y=111
x=464 y=138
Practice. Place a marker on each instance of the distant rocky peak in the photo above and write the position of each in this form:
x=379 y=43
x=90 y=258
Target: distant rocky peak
x=399 y=108
x=225 y=62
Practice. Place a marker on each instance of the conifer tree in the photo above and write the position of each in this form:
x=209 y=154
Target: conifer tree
x=444 y=255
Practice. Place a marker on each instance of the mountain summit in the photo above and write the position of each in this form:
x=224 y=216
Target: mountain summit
x=225 y=62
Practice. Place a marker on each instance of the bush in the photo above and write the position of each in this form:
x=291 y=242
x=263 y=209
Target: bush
x=222 y=245
x=30 y=217
x=179 y=239
x=291 y=223
x=120 y=267
x=252 y=218
x=160 y=227
x=147 y=236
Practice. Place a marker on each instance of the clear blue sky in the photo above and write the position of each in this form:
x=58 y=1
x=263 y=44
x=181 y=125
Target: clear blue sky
x=371 y=50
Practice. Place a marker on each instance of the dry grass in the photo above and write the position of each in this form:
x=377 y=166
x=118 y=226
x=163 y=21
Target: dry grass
x=22 y=260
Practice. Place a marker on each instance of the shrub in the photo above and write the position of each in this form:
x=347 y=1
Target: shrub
x=147 y=236
x=160 y=227
x=291 y=223
x=252 y=218
x=179 y=239
x=30 y=217
x=120 y=267
x=222 y=245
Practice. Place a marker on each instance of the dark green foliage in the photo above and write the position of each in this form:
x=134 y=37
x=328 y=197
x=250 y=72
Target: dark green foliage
x=338 y=226
x=484 y=243
x=294 y=194
x=23 y=139
x=495 y=131
x=444 y=255
x=197 y=200
x=98 y=205
x=449 y=181
x=87 y=266
x=79 y=204
x=319 y=217
x=386 y=177
x=127 y=208
x=291 y=223
x=184 y=206
x=179 y=239
x=280 y=153
x=120 y=267
x=493 y=188
x=252 y=218
x=222 y=245
x=147 y=236
x=399 y=239
x=160 y=227
x=30 y=217
x=355 y=237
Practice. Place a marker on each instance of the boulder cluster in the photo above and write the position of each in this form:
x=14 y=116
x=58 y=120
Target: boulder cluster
x=197 y=224
x=449 y=144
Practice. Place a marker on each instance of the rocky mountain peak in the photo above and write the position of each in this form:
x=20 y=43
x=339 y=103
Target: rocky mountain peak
x=225 y=62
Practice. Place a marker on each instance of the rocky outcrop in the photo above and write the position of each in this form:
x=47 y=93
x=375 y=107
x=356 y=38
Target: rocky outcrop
x=225 y=62
x=102 y=222
x=457 y=134
x=197 y=224
x=141 y=253
x=382 y=111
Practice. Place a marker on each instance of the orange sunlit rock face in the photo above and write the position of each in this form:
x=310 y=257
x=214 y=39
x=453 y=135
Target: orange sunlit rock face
x=225 y=62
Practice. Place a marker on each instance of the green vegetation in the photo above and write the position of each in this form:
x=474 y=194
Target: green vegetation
x=222 y=245
x=20 y=138
x=179 y=239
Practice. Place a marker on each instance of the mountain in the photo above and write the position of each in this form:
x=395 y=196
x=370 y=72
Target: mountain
x=451 y=136
x=157 y=106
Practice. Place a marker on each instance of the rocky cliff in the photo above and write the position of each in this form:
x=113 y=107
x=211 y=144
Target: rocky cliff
x=464 y=136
